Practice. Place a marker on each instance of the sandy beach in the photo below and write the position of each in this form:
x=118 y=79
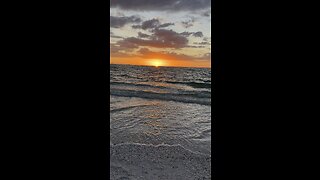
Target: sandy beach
x=137 y=161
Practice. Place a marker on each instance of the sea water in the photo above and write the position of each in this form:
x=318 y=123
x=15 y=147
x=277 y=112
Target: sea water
x=160 y=122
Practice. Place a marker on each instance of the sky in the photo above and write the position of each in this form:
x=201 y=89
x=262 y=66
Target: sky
x=160 y=32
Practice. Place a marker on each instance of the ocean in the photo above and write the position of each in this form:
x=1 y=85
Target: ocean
x=160 y=122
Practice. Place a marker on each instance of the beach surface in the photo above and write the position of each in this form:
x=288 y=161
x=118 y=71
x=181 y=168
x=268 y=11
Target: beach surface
x=136 y=161
x=160 y=123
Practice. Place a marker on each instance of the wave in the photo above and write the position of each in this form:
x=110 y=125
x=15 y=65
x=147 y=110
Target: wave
x=203 y=98
x=126 y=108
x=193 y=84
x=139 y=85
x=164 y=85
x=143 y=161
x=205 y=84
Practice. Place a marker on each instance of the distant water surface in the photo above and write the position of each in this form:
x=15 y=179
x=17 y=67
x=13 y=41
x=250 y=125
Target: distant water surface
x=160 y=122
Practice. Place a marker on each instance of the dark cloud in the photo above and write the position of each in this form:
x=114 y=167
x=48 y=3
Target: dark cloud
x=125 y=44
x=144 y=51
x=114 y=49
x=151 y=24
x=170 y=37
x=198 y=34
x=203 y=43
x=206 y=38
x=207 y=13
x=143 y=35
x=161 y=38
x=118 y=22
x=117 y=51
x=136 y=26
x=187 y=34
x=121 y=47
x=188 y=23
x=168 y=5
x=195 y=34
x=165 y=25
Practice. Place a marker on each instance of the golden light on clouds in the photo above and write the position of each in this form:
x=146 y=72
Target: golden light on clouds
x=149 y=37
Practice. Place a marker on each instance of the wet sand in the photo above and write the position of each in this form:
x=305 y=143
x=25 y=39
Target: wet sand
x=170 y=162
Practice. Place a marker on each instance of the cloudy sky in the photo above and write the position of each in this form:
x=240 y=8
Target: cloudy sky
x=161 y=32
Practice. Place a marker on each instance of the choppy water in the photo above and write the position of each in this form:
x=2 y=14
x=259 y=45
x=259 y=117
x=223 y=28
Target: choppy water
x=160 y=122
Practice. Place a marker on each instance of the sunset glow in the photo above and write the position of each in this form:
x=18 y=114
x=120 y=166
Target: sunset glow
x=161 y=35
x=156 y=62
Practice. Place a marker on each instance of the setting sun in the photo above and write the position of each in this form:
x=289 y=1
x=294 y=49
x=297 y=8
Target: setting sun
x=156 y=62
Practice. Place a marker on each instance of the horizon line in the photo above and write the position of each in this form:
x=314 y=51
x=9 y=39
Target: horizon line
x=162 y=66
